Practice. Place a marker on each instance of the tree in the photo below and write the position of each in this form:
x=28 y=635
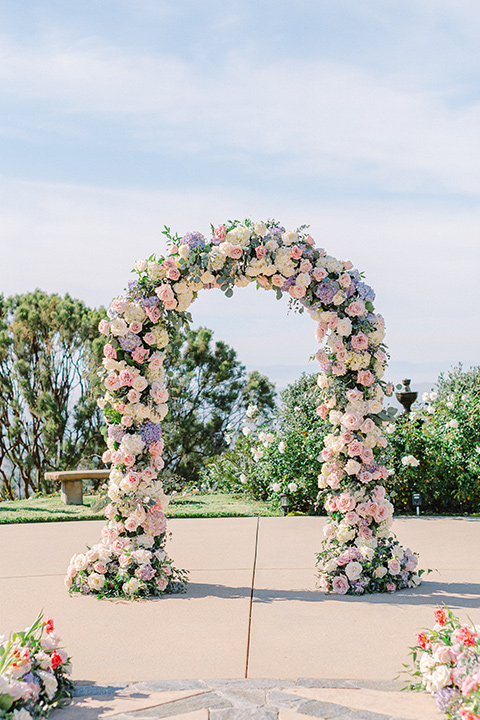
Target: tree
x=49 y=419
x=209 y=391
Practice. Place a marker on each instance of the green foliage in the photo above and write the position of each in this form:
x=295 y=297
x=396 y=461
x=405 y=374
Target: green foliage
x=443 y=434
x=49 y=419
x=209 y=391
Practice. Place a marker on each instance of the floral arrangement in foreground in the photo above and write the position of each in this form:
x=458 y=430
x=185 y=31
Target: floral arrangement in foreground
x=446 y=663
x=33 y=670
x=359 y=552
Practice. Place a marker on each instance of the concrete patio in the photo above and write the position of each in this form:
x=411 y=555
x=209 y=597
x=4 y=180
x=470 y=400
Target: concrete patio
x=251 y=616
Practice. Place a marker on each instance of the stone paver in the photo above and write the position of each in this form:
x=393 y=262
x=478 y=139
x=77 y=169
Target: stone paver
x=245 y=699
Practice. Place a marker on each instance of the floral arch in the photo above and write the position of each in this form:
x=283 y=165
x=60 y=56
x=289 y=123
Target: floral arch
x=359 y=553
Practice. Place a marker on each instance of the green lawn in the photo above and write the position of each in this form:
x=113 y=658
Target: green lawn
x=52 y=509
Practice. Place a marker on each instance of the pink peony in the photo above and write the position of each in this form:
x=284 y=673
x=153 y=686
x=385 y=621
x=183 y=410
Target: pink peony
x=340 y=584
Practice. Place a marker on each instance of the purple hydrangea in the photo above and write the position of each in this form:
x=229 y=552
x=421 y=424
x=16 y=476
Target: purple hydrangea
x=325 y=291
x=116 y=432
x=129 y=341
x=365 y=292
x=445 y=698
x=194 y=240
x=150 y=432
x=145 y=572
x=151 y=301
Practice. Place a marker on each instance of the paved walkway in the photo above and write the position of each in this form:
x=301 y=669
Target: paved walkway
x=251 y=617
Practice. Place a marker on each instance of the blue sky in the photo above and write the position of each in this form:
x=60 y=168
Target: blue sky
x=360 y=118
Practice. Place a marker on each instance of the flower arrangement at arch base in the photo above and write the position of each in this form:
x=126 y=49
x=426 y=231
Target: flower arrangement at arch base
x=446 y=663
x=359 y=552
x=33 y=673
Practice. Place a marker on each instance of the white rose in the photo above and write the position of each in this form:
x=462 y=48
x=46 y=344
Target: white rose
x=184 y=251
x=426 y=663
x=289 y=237
x=142 y=557
x=140 y=383
x=141 y=265
x=281 y=447
x=118 y=326
x=322 y=381
x=292 y=487
x=330 y=566
x=271 y=245
x=344 y=535
x=49 y=682
x=353 y=570
x=260 y=229
x=380 y=571
x=95 y=581
x=155 y=271
x=276 y=487
x=21 y=714
x=303 y=280
x=131 y=587
x=80 y=562
x=243 y=479
x=246 y=431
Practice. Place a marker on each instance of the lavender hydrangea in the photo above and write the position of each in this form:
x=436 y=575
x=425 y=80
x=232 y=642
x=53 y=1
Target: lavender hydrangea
x=194 y=240
x=325 y=291
x=151 y=301
x=365 y=292
x=116 y=432
x=134 y=291
x=150 y=432
x=445 y=699
x=129 y=341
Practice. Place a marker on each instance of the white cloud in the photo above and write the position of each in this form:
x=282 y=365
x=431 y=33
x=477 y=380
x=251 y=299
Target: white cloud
x=303 y=118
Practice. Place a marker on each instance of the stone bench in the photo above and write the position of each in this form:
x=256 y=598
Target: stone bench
x=72 y=483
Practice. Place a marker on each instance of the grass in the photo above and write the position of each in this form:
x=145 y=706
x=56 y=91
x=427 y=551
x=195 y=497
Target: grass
x=52 y=509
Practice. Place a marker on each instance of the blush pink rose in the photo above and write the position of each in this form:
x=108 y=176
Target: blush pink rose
x=124 y=560
x=351 y=420
x=354 y=395
x=345 y=502
x=162 y=583
x=112 y=382
x=342 y=355
x=159 y=393
x=236 y=252
x=359 y=341
x=339 y=369
x=348 y=265
x=131 y=523
x=170 y=304
x=173 y=274
x=366 y=455
x=296 y=292
x=340 y=584
x=134 y=395
x=379 y=493
x=150 y=338
x=220 y=232
x=322 y=357
x=322 y=411
x=109 y=351
x=260 y=251
x=104 y=327
x=156 y=448
x=164 y=292
x=263 y=281
x=107 y=456
x=367 y=426
x=381 y=514
x=126 y=378
x=365 y=532
x=345 y=280
x=338 y=345
x=319 y=274
x=326 y=454
x=351 y=517
x=347 y=437
x=136 y=326
x=319 y=333
x=355 y=448
x=158 y=462
x=364 y=476
x=331 y=504
x=305 y=266
x=126 y=421
x=100 y=568
x=153 y=312
x=129 y=460
x=365 y=377
x=356 y=308
x=333 y=480
x=296 y=252
x=140 y=354
x=278 y=280
x=393 y=566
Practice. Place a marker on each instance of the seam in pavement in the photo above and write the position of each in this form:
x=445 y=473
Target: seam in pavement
x=251 y=598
